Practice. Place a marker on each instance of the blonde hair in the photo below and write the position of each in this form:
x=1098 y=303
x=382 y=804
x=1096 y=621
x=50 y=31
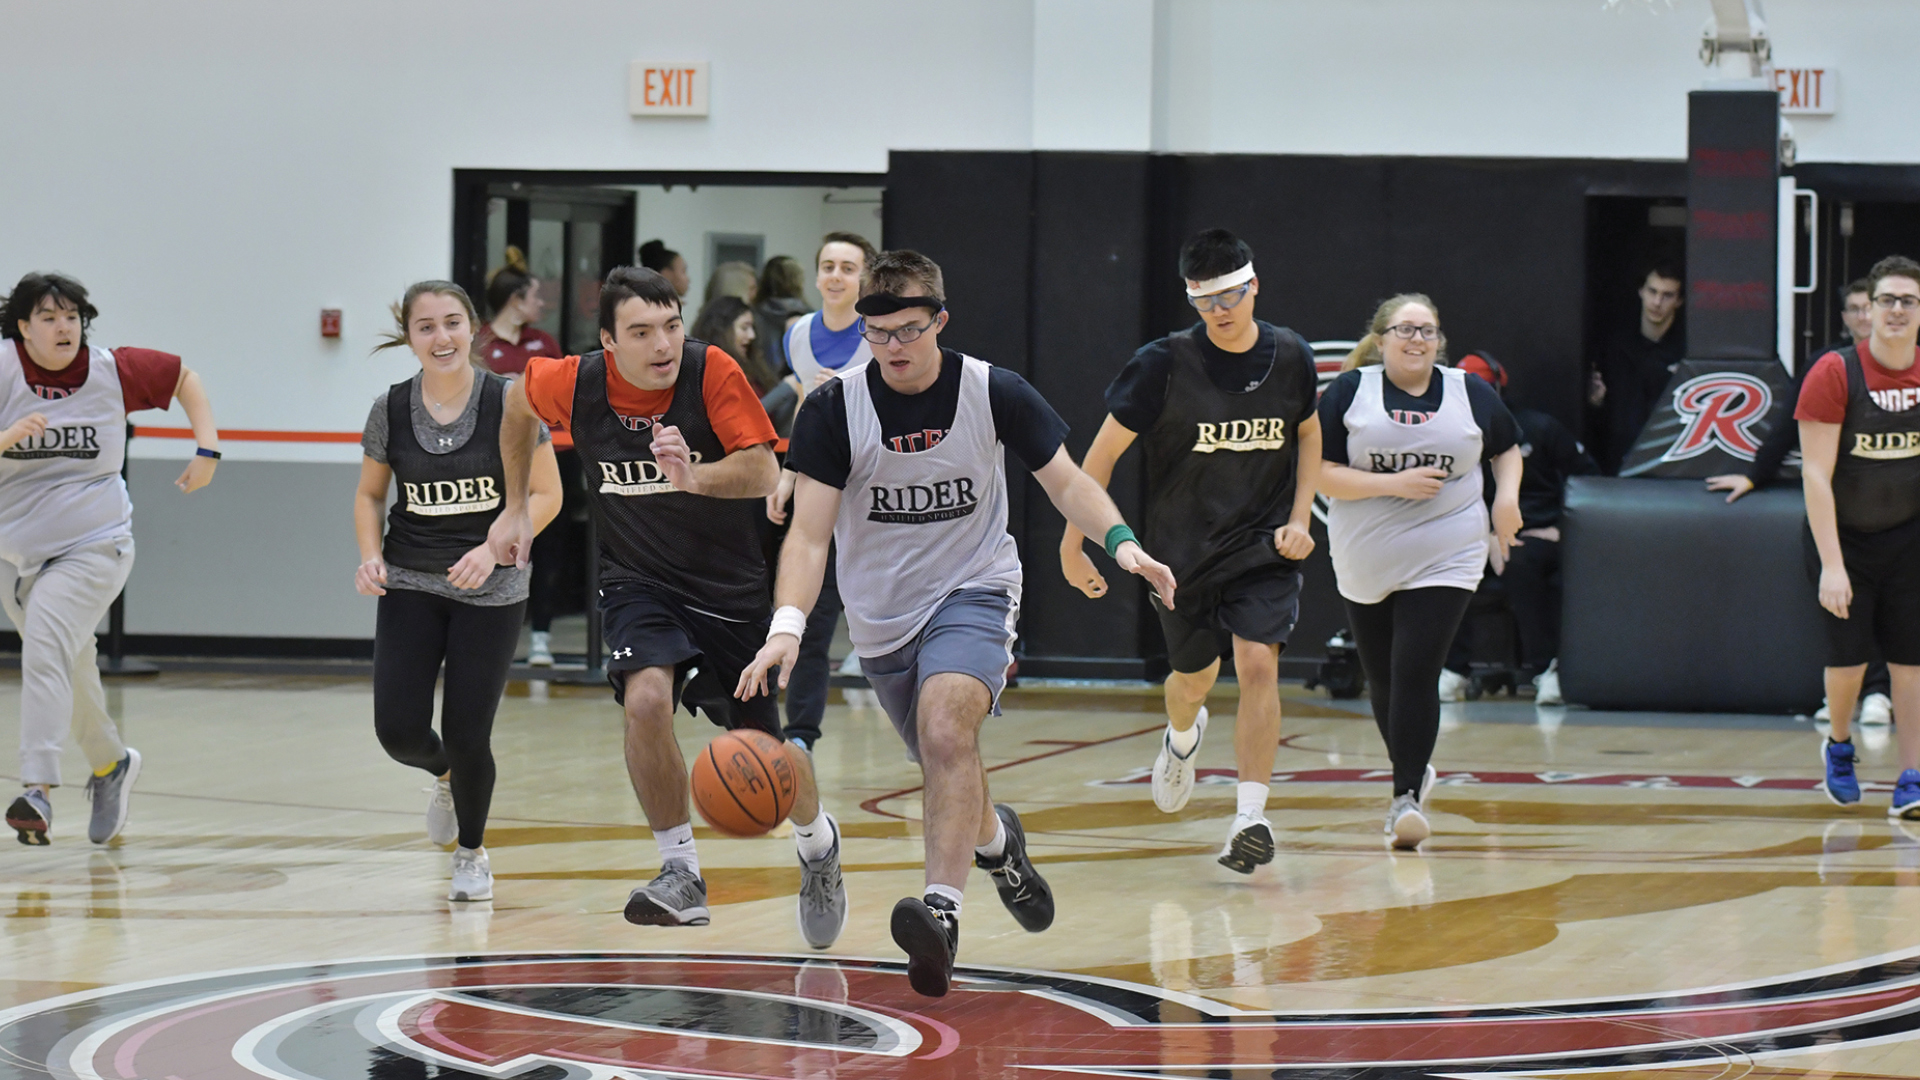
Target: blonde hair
x=1367 y=352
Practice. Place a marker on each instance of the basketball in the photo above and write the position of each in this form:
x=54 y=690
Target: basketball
x=743 y=784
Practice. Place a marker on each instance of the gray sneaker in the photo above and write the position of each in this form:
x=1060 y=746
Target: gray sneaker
x=823 y=895
x=472 y=876
x=675 y=897
x=31 y=816
x=1406 y=824
x=109 y=796
x=443 y=824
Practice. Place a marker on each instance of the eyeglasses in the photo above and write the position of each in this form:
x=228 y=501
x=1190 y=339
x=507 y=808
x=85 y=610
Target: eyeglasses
x=1225 y=301
x=905 y=335
x=1407 y=331
x=1859 y=309
x=1889 y=301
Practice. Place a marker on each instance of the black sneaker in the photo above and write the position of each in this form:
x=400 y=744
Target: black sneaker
x=928 y=931
x=1028 y=897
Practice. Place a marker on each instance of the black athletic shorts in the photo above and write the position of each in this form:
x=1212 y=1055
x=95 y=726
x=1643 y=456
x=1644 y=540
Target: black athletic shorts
x=1884 y=619
x=647 y=628
x=1259 y=606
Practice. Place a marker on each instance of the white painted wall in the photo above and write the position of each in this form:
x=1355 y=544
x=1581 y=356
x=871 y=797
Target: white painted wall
x=1500 y=78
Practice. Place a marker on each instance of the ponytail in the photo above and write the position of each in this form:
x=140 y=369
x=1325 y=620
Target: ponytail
x=402 y=310
x=1367 y=352
x=508 y=280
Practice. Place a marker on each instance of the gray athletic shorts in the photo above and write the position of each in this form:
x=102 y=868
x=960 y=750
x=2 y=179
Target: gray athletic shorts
x=971 y=633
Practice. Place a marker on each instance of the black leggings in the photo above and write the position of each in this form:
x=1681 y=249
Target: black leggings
x=415 y=632
x=1403 y=644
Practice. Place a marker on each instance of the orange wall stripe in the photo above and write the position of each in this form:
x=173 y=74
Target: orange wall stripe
x=238 y=435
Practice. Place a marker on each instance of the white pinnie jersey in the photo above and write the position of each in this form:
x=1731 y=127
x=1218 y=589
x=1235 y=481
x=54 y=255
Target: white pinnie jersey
x=916 y=528
x=62 y=490
x=806 y=366
x=1387 y=544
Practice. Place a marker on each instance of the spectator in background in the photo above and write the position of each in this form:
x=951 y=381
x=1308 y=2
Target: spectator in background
x=783 y=299
x=513 y=298
x=1531 y=575
x=1636 y=365
x=728 y=322
x=1876 y=694
x=655 y=255
x=733 y=279
x=504 y=346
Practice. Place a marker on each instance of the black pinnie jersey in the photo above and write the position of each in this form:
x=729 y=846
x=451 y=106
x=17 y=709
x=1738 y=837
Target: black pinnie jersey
x=1876 y=477
x=703 y=550
x=446 y=502
x=1221 y=466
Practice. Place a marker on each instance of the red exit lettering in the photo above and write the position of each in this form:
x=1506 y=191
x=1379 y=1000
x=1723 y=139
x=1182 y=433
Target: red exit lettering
x=1803 y=89
x=670 y=88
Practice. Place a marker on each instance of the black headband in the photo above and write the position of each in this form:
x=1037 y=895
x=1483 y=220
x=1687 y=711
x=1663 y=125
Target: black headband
x=887 y=304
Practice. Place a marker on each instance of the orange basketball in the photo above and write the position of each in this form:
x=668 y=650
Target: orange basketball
x=743 y=784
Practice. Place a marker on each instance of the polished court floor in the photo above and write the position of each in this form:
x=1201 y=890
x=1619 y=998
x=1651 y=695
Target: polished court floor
x=1624 y=894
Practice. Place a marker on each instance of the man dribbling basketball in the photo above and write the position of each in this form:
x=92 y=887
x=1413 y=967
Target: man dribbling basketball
x=680 y=453
x=901 y=466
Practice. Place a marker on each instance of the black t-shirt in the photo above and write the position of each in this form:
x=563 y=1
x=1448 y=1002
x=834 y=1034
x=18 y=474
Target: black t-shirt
x=1635 y=371
x=1139 y=392
x=1552 y=455
x=1498 y=431
x=909 y=423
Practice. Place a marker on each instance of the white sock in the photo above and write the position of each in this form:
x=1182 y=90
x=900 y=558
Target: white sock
x=946 y=892
x=814 y=839
x=995 y=847
x=1183 y=742
x=676 y=845
x=1253 y=800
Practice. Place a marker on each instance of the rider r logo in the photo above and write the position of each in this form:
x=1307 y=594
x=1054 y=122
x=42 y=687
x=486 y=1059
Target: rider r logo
x=1720 y=410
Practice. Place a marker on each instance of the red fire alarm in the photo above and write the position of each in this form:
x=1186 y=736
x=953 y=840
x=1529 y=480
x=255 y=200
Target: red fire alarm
x=330 y=322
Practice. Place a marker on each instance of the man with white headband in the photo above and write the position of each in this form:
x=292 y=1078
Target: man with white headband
x=1226 y=414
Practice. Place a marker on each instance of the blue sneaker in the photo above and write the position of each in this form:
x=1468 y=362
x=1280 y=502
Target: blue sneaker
x=1906 y=796
x=1841 y=785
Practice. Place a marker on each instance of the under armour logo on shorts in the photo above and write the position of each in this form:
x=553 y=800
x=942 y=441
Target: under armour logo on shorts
x=623 y=654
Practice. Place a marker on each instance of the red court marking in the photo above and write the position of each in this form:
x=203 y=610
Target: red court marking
x=244 y=435
x=872 y=806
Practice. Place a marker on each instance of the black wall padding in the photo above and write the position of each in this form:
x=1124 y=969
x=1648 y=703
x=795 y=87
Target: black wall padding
x=1677 y=601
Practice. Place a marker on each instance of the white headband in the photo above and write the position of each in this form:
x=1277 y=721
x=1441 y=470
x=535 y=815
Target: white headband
x=1221 y=283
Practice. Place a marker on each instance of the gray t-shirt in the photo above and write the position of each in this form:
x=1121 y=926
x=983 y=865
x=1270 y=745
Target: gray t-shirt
x=508 y=584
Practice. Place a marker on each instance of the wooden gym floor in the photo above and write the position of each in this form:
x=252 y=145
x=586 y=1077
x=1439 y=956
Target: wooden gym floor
x=1628 y=894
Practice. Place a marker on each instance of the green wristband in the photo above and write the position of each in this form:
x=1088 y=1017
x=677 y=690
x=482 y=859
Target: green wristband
x=1116 y=536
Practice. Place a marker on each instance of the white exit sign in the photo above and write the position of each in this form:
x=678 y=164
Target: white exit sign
x=661 y=88
x=1808 y=91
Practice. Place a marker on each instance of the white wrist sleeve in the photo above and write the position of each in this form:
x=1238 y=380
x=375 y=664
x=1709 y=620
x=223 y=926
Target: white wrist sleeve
x=788 y=620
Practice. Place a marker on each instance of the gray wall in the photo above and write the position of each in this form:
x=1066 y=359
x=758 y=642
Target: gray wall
x=266 y=550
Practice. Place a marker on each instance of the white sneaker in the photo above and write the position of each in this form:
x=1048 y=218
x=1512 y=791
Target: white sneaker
x=1172 y=773
x=472 y=876
x=1546 y=685
x=1406 y=824
x=540 y=649
x=1453 y=685
x=1426 y=787
x=851 y=665
x=1876 y=710
x=1824 y=712
x=443 y=825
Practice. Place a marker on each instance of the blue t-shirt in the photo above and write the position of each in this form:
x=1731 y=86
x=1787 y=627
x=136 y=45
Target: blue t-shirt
x=832 y=348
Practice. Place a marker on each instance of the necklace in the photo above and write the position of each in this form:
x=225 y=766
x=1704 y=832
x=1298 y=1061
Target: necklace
x=441 y=405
